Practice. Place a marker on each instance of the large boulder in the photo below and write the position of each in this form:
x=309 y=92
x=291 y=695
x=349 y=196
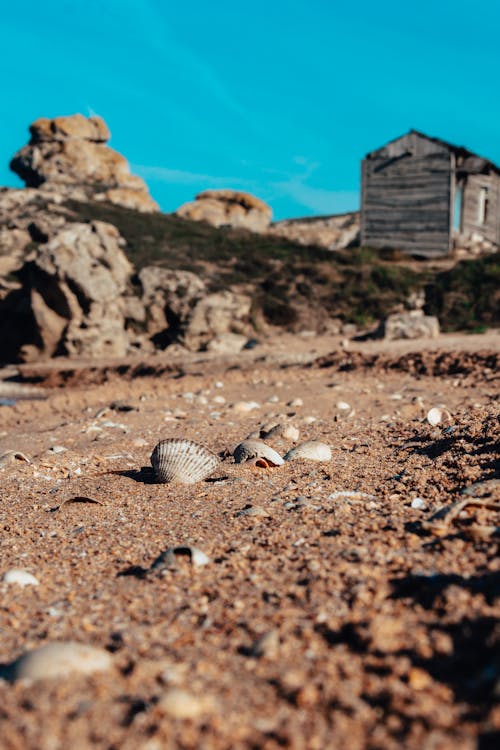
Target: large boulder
x=70 y=155
x=216 y=314
x=228 y=208
x=72 y=296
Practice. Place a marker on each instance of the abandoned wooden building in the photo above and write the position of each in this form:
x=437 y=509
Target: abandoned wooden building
x=418 y=192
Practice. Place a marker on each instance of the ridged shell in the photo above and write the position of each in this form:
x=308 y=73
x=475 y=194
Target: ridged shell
x=179 y=460
x=313 y=450
x=250 y=449
x=280 y=430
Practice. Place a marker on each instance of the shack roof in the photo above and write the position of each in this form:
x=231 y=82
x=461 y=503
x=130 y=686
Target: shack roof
x=480 y=162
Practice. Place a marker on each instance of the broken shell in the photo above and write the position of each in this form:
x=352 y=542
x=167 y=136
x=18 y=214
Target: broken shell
x=313 y=450
x=438 y=415
x=56 y=660
x=179 y=460
x=21 y=577
x=250 y=449
x=167 y=558
x=281 y=430
x=10 y=456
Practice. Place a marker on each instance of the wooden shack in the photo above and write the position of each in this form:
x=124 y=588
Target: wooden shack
x=417 y=192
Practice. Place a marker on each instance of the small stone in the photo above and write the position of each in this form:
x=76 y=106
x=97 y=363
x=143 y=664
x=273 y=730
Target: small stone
x=267 y=645
x=57 y=449
x=252 y=510
x=343 y=406
x=57 y=660
x=21 y=577
x=418 y=503
x=296 y=402
x=180 y=704
x=243 y=407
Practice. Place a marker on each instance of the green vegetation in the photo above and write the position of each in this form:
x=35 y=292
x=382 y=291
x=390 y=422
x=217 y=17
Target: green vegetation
x=296 y=286
x=467 y=297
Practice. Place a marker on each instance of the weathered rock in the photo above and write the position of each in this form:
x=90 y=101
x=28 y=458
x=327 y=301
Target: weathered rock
x=332 y=232
x=230 y=208
x=410 y=325
x=227 y=343
x=216 y=314
x=71 y=301
x=70 y=155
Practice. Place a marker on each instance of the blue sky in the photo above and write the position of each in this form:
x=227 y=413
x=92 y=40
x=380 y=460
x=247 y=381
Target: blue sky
x=279 y=98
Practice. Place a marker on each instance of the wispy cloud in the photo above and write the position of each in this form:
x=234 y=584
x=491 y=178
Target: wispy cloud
x=184 y=177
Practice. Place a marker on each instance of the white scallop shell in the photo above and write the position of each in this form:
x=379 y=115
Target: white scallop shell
x=313 y=450
x=179 y=460
x=250 y=449
x=437 y=415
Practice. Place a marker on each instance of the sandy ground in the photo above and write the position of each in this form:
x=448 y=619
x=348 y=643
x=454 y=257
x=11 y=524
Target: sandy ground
x=332 y=613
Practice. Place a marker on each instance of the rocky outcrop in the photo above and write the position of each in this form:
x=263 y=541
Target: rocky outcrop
x=331 y=232
x=71 y=297
x=69 y=155
x=410 y=325
x=228 y=208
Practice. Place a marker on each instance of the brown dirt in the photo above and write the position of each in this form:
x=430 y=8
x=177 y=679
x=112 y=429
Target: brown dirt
x=383 y=618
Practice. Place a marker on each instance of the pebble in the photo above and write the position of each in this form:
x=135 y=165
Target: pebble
x=343 y=405
x=310 y=419
x=21 y=577
x=252 y=510
x=296 y=402
x=266 y=645
x=438 y=415
x=57 y=449
x=180 y=704
x=56 y=660
x=243 y=407
x=418 y=503
x=219 y=400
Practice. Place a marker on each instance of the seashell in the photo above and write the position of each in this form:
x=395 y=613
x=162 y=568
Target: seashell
x=10 y=456
x=21 y=577
x=438 y=415
x=167 y=558
x=250 y=449
x=281 y=430
x=313 y=450
x=180 y=460
x=57 y=660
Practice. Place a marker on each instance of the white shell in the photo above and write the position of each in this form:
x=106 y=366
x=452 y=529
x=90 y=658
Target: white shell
x=250 y=449
x=179 y=460
x=313 y=450
x=167 y=558
x=437 y=415
x=57 y=660
x=21 y=577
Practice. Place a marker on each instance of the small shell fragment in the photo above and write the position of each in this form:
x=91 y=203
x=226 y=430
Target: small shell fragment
x=313 y=450
x=243 y=407
x=21 y=577
x=249 y=450
x=8 y=456
x=438 y=415
x=167 y=558
x=180 y=460
x=57 y=660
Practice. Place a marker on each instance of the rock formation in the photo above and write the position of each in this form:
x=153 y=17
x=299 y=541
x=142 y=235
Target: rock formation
x=228 y=208
x=69 y=155
x=331 y=232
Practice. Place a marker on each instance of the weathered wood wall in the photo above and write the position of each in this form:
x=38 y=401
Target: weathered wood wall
x=407 y=191
x=470 y=206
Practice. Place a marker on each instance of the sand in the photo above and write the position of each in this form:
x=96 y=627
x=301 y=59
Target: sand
x=337 y=611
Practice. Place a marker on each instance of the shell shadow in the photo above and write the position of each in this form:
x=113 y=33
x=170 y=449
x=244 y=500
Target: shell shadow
x=145 y=474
